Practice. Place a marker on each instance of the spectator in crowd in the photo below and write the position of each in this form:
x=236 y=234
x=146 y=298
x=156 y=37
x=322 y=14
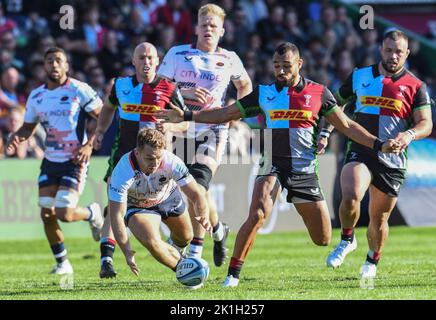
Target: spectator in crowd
x=273 y=24
x=293 y=31
x=31 y=147
x=328 y=21
x=6 y=24
x=110 y=57
x=255 y=10
x=174 y=14
x=9 y=97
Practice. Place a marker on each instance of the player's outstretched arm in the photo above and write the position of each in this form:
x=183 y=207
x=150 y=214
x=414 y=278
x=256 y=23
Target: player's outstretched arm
x=116 y=210
x=359 y=134
x=24 y=133
x=200 y=205
x=215 y=115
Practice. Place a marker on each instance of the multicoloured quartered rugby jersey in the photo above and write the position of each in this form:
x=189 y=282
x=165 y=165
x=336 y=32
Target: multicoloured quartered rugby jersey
x=137 y=102
x=62 y=113
x=384 y=106
x=191 y=67
x=293 y=114
x=130 y=185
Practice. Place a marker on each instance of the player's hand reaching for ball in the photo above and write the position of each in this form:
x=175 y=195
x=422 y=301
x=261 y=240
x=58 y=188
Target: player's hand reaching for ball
x=130 y=259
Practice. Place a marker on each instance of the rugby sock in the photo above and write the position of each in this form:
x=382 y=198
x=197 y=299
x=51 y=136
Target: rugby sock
x=196 y=247
x=373 y=257
x=171 y=242
x=59 y=252
x=347 y=234
x=218 y=232
x=91 y=215
x=235 y=267
x=107 y=249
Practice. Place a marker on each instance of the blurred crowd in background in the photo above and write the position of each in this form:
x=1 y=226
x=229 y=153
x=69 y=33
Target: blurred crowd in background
x=106 y=32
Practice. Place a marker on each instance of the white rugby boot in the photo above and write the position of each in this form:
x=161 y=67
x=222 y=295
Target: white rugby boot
x=337 y=256
x=230 y=282
x=64 y=267
x=96 y=222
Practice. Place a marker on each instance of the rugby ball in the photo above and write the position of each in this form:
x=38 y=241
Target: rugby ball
x=192 y=271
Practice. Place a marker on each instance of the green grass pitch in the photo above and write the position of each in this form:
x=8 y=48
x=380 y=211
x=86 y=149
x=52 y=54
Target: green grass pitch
x=281 y=266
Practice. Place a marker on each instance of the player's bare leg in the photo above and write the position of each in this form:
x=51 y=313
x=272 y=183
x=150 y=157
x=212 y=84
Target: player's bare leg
x=266 y=189
x=316 y=217
x=380 y=208
x=181 y=231
x=355 y=180
x=145 y=228
x=196 y=246
x=66 y=210
x=52 y=230
x=220 y=229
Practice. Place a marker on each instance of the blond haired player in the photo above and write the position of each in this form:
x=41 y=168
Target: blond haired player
x=204 y=71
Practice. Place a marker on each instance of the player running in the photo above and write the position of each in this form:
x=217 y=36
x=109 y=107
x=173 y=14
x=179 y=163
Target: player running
x=137 y=98
x=61 y=106
x=292 y=107
x=203 y=71
x=144 y=189
x=392 y=103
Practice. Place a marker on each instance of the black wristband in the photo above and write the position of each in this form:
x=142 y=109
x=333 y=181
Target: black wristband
x=377 y=145
x=187 y=115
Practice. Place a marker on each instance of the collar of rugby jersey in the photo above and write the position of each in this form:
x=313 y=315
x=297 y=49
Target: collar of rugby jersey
x=194 y=46
x=395 y=77
x=66 y=83
x=152 y=84
x=300 y=85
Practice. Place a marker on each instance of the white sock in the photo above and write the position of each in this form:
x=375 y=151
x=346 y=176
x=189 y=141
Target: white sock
x=195 y=251
x=175 y=246
x=219 y=233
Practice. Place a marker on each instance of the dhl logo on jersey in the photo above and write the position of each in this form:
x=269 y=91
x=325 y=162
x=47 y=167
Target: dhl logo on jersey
x=381 y=102
x=290 y=114
x=146 y=109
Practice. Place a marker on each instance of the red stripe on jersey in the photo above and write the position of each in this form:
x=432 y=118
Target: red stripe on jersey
x=159 y=96
x=402 y=90
x=309 y=101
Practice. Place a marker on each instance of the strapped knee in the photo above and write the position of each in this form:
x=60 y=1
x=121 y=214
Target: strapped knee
x=201 y=173
x=66 y=199
x=46 y=202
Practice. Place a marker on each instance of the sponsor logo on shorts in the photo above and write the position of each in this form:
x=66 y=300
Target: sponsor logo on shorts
x=290 y=114
x=396 y=187
x=146 y=109
x=382 y=102
x=315 y=190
